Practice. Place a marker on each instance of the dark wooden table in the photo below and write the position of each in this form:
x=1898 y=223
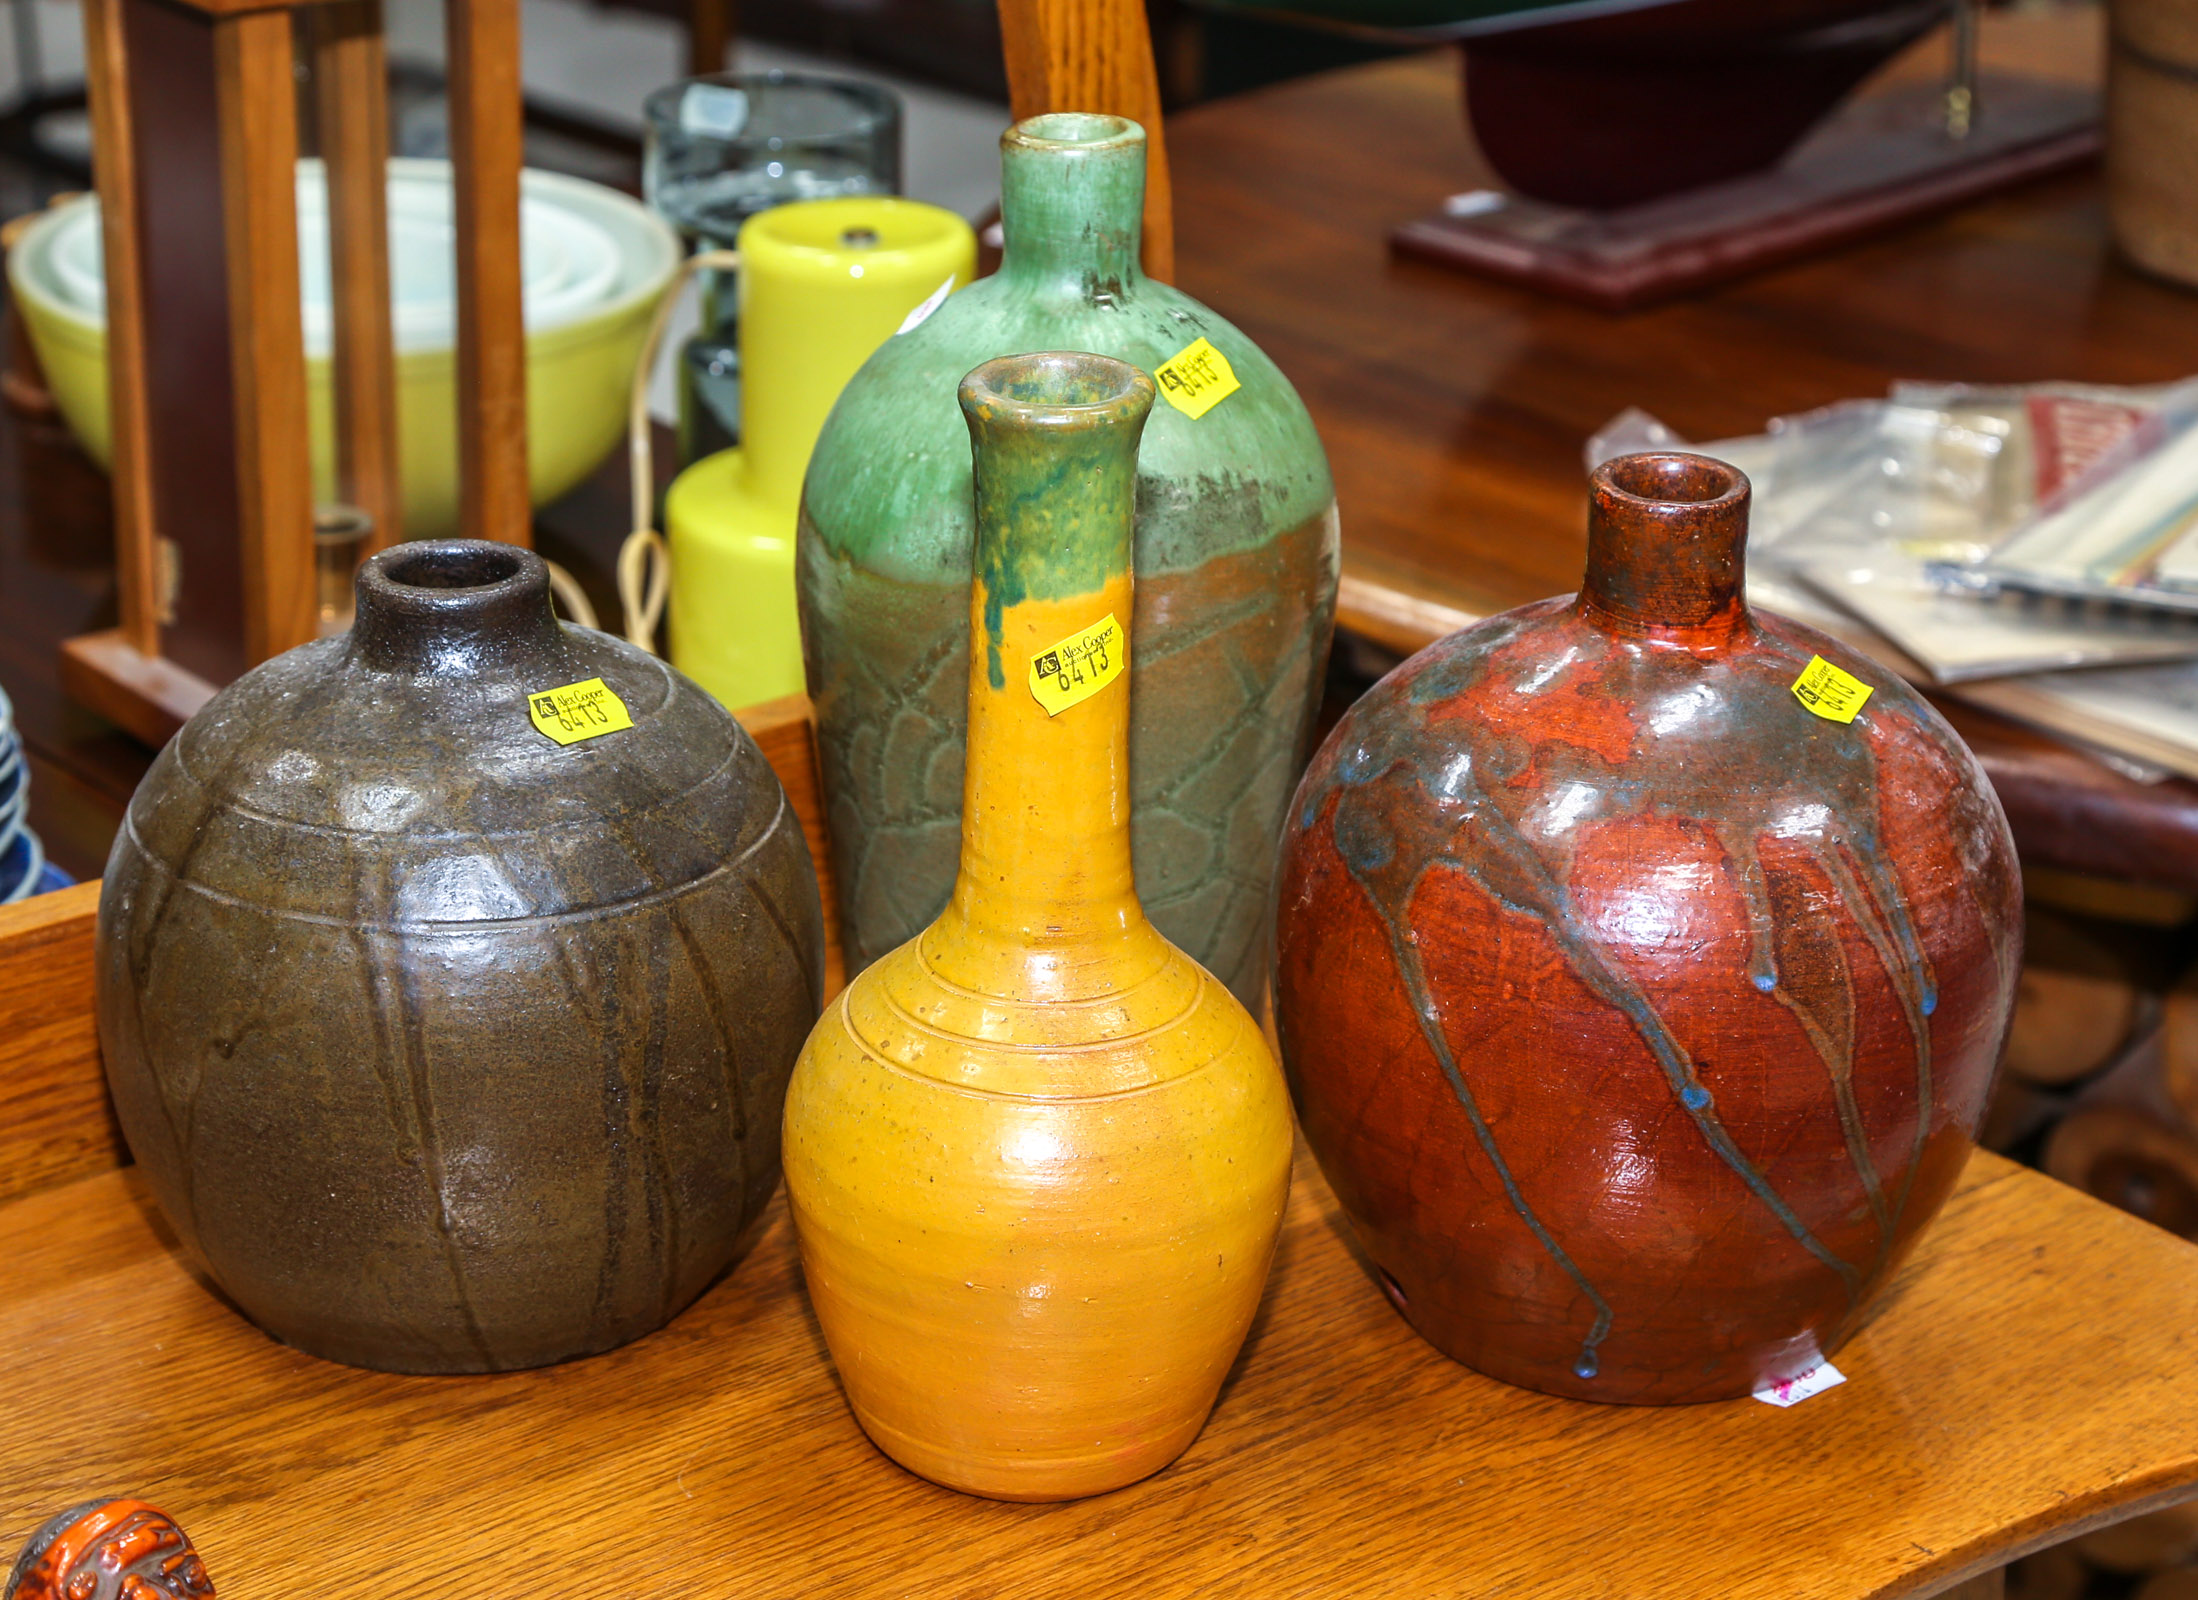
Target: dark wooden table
x=1455 y=409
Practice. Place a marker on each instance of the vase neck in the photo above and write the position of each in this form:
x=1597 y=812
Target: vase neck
x=457 y=607
x=1667 y=538
x=1045 y=903
x=1072 y=198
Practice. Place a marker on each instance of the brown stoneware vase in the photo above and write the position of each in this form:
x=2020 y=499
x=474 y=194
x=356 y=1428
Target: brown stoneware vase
x=1639 y=1013
x=449 y=1016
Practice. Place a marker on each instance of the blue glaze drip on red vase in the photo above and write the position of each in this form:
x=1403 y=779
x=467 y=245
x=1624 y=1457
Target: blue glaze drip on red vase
x=1610 y=977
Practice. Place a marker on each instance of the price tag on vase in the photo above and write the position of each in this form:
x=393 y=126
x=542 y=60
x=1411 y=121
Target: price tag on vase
x=1834 y=695
x=1071 y=672
x=1196 y=379
x=922 y=314
x=577 y=711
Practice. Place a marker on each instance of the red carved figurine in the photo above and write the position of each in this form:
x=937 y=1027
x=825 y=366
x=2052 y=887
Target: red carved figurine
x=1640 y=1006
x=109 y=1550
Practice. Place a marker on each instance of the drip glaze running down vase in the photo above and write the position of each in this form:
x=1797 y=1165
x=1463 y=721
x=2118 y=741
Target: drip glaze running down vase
x=1036 y=1156
x=1640 y=1016
x=447 y=1045
x=1235 y=555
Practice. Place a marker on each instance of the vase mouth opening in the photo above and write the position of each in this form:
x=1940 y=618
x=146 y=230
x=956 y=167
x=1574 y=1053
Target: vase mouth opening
x=1057 y=388
x=1074 y=130
x=452 y=564
x=1671 y=478
x=454 y=605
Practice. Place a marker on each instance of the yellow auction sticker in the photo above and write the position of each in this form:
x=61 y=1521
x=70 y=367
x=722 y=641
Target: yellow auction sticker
x=1077 y=668
x=584 y=710
x=1196 y=379
x=1832 y=694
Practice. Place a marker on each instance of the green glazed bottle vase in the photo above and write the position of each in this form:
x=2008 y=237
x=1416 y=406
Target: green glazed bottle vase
x=1235 y=552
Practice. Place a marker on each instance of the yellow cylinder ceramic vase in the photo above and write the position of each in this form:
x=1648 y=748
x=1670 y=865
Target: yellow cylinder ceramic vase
x=822 y=284
x=1038 y=1156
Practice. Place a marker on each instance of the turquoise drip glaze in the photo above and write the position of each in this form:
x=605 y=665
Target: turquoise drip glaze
x=1637 y=1011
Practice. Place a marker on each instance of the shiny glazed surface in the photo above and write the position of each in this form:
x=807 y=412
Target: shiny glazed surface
x=813 y=306
x=1037 y=1157
x=448 y=1048
x=1640 y=1017
x=109 y=1550
x=1236 y=561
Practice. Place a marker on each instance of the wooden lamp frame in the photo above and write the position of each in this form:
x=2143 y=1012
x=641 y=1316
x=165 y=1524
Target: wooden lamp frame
x=194 y=114
x=215 y=562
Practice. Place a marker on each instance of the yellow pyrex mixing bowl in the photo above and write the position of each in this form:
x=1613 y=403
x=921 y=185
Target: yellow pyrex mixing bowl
x=595 y=263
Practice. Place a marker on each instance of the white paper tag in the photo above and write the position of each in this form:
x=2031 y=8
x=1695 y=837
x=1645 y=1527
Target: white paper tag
x=936 y=299
x=1473 y=203
x=1792 y=1391
x=713 y=111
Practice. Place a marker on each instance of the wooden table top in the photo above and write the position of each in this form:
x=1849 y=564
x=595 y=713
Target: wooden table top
x=1455 y=409
x=2032 y=1371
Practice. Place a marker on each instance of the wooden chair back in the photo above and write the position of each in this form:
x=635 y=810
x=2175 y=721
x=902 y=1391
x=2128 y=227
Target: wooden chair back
x=1095 y=55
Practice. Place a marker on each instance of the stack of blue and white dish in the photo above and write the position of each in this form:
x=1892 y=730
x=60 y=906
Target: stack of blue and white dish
x=22 y=859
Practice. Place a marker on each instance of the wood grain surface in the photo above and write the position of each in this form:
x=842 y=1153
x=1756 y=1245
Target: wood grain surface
x=231 y=8
x=351 y=84
x=486 y=135
x=711 y=25
x=147 y=694
x=255 y=64
x=55 y=1123
x=1455 y=409
x=106 y=80
x=2032 y=1372
x=1095 y=55
x=182 y=149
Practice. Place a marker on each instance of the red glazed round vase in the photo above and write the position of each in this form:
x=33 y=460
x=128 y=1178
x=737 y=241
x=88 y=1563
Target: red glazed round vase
x=1641 y=1015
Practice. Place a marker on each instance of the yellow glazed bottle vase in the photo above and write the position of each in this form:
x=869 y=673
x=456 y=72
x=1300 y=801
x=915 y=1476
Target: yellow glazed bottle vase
x=1037 y=1155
